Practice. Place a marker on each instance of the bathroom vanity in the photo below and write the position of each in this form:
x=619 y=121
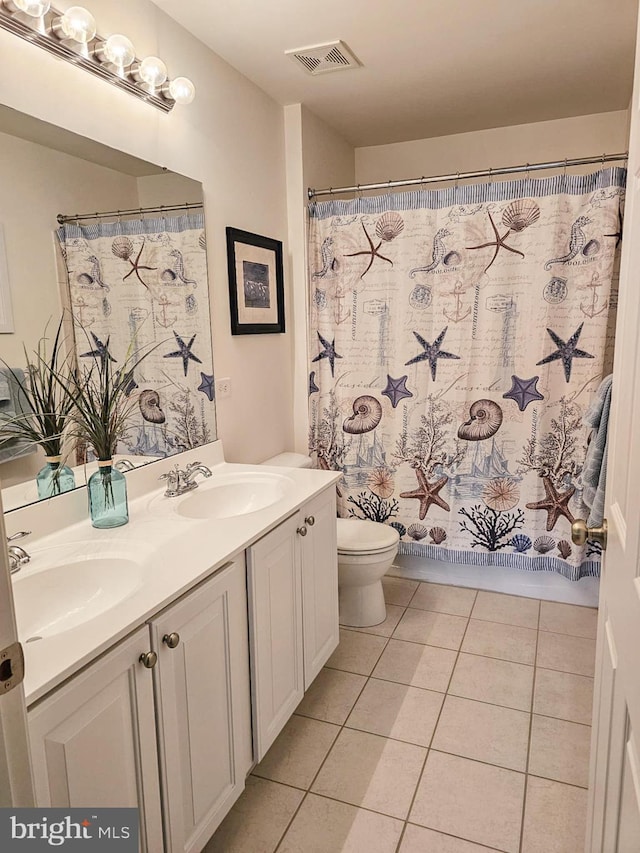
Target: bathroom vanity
x=182 y=645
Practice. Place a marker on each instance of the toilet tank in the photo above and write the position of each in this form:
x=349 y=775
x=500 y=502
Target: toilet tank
x=290 y=460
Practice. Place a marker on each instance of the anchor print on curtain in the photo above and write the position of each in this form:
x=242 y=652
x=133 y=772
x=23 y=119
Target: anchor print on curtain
x=457 y=338
x=139 y=284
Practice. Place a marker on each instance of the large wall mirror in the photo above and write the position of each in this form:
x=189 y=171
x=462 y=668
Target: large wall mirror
x=126 y=267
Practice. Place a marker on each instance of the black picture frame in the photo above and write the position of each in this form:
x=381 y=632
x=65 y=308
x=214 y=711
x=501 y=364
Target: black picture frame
x=256 y=296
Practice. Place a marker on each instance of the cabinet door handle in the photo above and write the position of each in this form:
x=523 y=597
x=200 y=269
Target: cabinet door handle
x=149 y=659
x=310 y=520
x=171 y=640
x=302 y=530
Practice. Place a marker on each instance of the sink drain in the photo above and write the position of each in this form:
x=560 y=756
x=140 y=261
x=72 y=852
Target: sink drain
x=32 y=639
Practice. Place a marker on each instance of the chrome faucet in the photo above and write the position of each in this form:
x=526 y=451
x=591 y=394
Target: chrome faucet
x=18 y=557
x=124 y=465
x=179 y=481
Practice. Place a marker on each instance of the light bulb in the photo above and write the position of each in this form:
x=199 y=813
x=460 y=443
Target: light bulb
x=77 y=24
x=118 y=51
x=34 y=8
x=152 y=71
x=182 y=90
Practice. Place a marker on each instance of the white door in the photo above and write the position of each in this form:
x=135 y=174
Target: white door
x=613 y=824
x=203 y=706
x=15 y=771
x=319 y=582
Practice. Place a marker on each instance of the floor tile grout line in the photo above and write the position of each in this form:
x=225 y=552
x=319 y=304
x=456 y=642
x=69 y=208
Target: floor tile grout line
x=464 y=651
x=330 y=750
x=526 y=778
x=433 y=733
x=322 y=763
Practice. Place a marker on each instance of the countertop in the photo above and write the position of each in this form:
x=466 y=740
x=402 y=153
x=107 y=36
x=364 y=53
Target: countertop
x=173 y=554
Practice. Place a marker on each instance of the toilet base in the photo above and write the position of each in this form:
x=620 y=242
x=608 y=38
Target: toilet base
x=362 y=606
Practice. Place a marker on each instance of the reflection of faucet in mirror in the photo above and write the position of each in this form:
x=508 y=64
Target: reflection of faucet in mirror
x=18 y=557
x=180 y=482
x=124 y=465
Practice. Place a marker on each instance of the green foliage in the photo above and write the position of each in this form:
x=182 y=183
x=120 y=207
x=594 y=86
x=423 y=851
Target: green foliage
x=47 y=377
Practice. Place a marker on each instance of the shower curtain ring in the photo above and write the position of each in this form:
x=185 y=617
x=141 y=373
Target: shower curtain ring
x=565 y=167
x=526 y=174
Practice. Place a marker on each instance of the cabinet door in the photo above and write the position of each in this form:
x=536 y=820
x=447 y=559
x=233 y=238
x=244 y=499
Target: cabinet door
x=202 y=700
x=93 y=741
x=319 y=583
x=275 y=624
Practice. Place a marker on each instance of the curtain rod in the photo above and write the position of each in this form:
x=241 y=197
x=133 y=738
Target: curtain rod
x=460 y=176
x=166 y=208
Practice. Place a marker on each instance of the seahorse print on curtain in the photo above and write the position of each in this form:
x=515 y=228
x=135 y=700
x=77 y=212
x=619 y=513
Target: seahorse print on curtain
x=141 y=285
x=456 y=339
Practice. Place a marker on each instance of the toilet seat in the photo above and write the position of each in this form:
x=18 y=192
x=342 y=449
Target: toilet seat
x=365 y=537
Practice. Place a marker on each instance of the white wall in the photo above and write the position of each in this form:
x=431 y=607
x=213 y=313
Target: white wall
x=231 y=138
x=581 y=136
x=317 y=156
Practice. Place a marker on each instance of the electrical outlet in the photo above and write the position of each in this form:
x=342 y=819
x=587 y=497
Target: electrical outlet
x=223 y=387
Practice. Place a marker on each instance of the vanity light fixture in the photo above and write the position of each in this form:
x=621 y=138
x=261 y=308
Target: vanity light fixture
x=77 y=24
x=151 y=71
x=33 y=8
x=72 y=35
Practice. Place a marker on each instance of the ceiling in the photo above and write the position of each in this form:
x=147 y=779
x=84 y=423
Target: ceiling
x=430 y=67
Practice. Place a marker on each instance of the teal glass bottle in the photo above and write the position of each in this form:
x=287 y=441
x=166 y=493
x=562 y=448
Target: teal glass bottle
x=107 y=489
x=54 y=478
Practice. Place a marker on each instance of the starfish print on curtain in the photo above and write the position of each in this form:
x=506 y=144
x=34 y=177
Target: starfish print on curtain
x=567 y=351
x=427 y=493
x=432 y=352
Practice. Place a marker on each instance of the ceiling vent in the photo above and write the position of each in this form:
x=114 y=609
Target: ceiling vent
x=322 y=58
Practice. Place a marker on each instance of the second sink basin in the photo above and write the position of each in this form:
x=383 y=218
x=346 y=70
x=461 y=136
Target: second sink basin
x=226 y=496
x=60 y=598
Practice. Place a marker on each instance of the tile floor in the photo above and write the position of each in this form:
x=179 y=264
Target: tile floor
x=459 y=725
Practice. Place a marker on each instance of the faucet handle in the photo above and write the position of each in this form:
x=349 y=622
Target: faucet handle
x=20 y=535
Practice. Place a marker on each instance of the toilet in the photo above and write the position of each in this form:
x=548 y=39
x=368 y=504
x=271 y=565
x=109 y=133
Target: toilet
x=366 y=551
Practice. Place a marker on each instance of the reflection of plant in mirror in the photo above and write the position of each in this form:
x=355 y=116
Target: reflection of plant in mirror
x=46 y=409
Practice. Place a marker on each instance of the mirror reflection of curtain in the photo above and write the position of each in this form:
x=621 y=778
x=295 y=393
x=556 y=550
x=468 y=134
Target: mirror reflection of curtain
x=457 y=338
x=139 y=284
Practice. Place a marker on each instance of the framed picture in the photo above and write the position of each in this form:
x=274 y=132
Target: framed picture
x=256 y=283
x=6 y=314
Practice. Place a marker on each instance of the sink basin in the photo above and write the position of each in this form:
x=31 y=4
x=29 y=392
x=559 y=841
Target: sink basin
x=60 y=598
x=227 y=496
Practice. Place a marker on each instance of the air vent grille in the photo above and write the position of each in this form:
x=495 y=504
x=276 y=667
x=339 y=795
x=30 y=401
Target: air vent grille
x=322 y=58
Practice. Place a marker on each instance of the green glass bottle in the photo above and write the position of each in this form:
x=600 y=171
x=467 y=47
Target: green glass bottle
x=107 y=489
x=54 y=478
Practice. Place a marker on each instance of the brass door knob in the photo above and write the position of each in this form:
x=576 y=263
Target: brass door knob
x=302 y=530
x=580 y=533
x=149 y=659
x=171 y=640
x=310 y=520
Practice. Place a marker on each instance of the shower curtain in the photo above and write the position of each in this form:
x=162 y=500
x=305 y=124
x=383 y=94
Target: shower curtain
x=135 y=285
x=456 y=338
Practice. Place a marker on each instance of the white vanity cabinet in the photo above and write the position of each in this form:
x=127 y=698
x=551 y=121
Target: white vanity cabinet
x=93 y=741
x=292 y=575
x=96 y=740
x=203 y=706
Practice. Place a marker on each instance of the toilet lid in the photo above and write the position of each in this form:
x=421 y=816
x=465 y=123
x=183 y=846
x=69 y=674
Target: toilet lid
x=357 y=535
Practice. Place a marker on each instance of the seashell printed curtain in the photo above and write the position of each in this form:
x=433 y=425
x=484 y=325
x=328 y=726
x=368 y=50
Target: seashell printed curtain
x=457 y=337
x=136 y=284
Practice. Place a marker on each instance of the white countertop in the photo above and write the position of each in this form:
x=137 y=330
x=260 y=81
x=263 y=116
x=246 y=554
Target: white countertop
x=174 y=554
